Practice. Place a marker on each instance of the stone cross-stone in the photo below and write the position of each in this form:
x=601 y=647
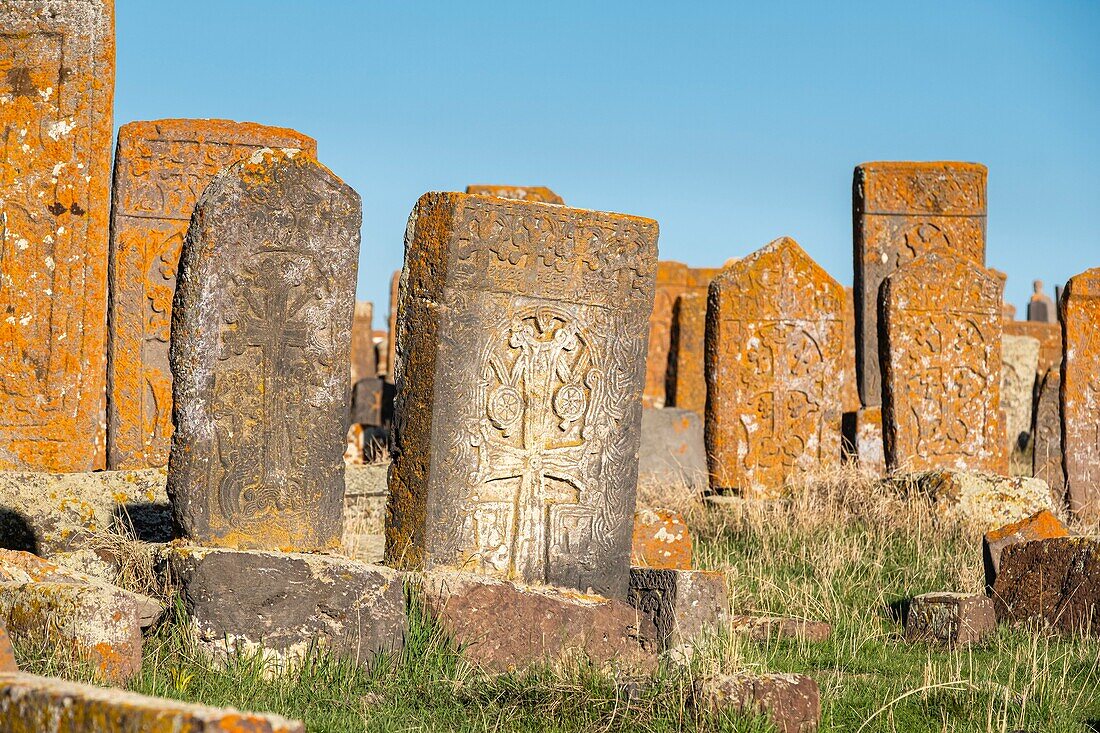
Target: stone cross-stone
x=161 y=169
x=1019 y=366
x=1046 y=431
x=520 y=193
x=849 y=389
x=1080 y=311
x=261 y=335
x=56 y=89
x=1049 y=336
x=1041 y=308
x=901 y=211
x=941 y=364
x=521 y=343
x=774 y=347
x=364 y=359
x=687 y=384
x=673 y=280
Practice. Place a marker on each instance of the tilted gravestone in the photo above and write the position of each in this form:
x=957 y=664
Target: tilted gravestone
x=774 y=350
x=161 y=169
x=1046 y=458
x=259 y=355
x=56 y=90
x=1080 y=311
x=941 y=364
x=521 y=343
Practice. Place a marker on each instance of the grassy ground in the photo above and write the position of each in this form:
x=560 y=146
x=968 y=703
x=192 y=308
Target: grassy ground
x=844 y=550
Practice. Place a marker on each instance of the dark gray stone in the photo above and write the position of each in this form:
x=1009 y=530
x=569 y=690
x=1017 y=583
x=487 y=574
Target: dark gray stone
x=673 y=451
x=261 y=332
x=366 y=401
x=1046 y=459
x=677 y=606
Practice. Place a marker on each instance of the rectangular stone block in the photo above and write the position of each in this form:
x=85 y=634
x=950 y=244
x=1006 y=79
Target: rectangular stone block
x=661 y=540
x=849 y=385
x=673 y=455
x=678 y=606
x=55 y=123
x=673 y=280
x=980 y=501
x=1049 y=336
x=1080 y=311
x=540 y=194
x=521 y=348
x=1039 y=526
x=903 y=210
x=364 y=364
x=365 y=513
x=1046 y=431
x=941 y=364
x=687 y=382
x=1054 y=580
x=951 y=618
x=366 y=401
x=161 y=169
x=791 y=702
x=1019 y=366
x=32 y=703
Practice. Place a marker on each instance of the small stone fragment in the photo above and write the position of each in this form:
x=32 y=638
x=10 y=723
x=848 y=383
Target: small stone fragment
x=661 y=540
x=672 y=451
x=1039 y=526
x=981 y=501
x=792 y=702
x=951 y=618
x=364 y=359
x=678 y=606
x=1055 y=580
x=762 y=628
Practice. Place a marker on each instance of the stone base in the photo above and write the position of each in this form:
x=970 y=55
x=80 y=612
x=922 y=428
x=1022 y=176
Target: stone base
x=982 y=501
x=280 y=604
x=672 y=450
x=677 y=606
x=791 y=702
x=32 y=703
x=661 y=540
x=950 y=618
x=1055 y=580
x=502 y=626
x=763 y=628
x=1040 y=526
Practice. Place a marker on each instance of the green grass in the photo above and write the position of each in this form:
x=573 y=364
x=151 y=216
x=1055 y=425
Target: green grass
x=845 y=550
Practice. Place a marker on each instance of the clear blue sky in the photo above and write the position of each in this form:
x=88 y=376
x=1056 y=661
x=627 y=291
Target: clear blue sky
x=730 y=123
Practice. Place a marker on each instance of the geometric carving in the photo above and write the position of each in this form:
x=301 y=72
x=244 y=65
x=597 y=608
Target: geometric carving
x=1080 y=315
x=941 y=365
x=520 y=363
x=774 y=346
x=56 y=89
x=161 y=169
x=673 y=279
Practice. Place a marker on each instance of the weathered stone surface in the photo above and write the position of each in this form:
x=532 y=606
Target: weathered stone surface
x=1056 y=580
x=540 y=194
x=661 y=540
x=1039 y=526
x=903 y=210
x=290 y=600
x=687 y=384
x=1046 y=431
x=364 y=364
x=849 y=385
x=673 y=280
x=259 y=356
x=50 y=512
x=1049 y=336
x=503 y=626
x=366 y=401
x=50 y=705
x=678 y=606
x=951 y=618
x=1081 y=393
x=1041 y=308
x=1019 y=365
x=673 y=452
x=365 y=513
x=763 y=628
x=870 y=453
x=161 y=169
x=55 y=121
x=7 y=653
x=520 y=364
x=775 y=343
x=391 y=344
x=981 y=501
x=941 y=366
x=792 y=702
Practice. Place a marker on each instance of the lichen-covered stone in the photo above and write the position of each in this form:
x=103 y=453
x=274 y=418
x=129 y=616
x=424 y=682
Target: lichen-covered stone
x=673 y=280
x=161 y=169
x=941 y=364
x=1039 y=526
x=661 y=540
x=951 y=618
x=391 y=343
x=792 y=702
x=903 y=210
x=540 y=194
x=686 y=386
x=32 y=704
x=520 y=363
x=1049 y=336
x=55 y=120
x=1019 y=366
x=775 y=343
x=870 y=452
x=364 y=359
x=849 y=385
x=764 y=628
x=1081 y=393
x=259 y=356
x=1046 y=431
x=7 y=652
x=279 y=604
x=1054 y=580
x=678 y=606
x=980 y=501
x=672 y=452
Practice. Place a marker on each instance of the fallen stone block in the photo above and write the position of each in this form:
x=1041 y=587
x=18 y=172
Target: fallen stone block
x=982 y=501
x=792 y=702
x=951 y=618
x=672 y=450
x=502 y=626
x=661 y=540
x=281 y=604
x=1040 y=526
x=677 y=606
x=763 y=628
x=50 y=705
x=1055 y=580
x=7 y=653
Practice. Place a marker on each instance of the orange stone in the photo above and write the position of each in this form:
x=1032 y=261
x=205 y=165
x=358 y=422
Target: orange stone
x=1039 y=526
x=522 y=193
x=7 y=653
x=1049 y=336
x=364 y=362
x=1080 y=309
x=775 y=346
x=901 y=211
x=661 y=540
x=849 y=389
x=161 y=169
x=673 y=280
x=687 y=384
x=942 y=367
x=56 y=93
x=391 y=344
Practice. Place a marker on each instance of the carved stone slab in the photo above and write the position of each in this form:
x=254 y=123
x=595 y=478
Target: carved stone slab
x=521 y=342
x=1081 y=392
x=1046 y=459
x=1050 y=340
x=391 y=344
x=260 y=339
x=673 y=280
x=1019 y=362
x=941 y=366
x=161 y=169
x=364 y=360
x=849 y=389
x=775 y=345
x=901 y=211
x=56 y=90
x=687 y=383
x=520 y=193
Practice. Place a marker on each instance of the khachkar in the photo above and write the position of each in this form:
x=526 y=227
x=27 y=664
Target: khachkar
x=161 y=169
x=1080 y=397
x=774 y=351
x=673 y=280
x=521 y=344
x=56 y=91
x=687 y=384
x=941 y=363
x=261 y=329
x=900 y=212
